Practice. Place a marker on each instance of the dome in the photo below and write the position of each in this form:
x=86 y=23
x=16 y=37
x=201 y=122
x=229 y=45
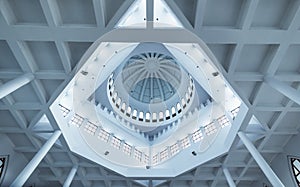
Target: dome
x=150 y=88
x=151 y=77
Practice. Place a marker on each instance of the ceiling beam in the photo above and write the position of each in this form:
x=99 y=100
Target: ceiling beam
x=99 y=13
x=209 y=35
x=49 y=12
x=247 y=14
x=199 y=16
x=235 y=58
x=64 y=54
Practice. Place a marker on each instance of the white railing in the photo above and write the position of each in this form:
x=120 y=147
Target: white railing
x=130 y=113
x=130 y=150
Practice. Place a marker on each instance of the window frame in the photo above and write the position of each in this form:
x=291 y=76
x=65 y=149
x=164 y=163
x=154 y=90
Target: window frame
x=3 y=167
x=291 y=159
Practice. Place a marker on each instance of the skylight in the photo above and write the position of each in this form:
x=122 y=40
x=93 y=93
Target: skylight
x=135 y=15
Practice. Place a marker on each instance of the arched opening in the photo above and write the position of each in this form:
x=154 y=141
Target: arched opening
x=295 y=165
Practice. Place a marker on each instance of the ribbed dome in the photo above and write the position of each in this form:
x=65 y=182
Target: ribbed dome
x=151 y=77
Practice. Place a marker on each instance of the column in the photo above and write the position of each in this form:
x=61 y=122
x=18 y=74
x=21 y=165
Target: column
x=15 y=84
x=283 y=88
x=228 y=177
x=264 y=166
x=38 y=157
x=70 y=176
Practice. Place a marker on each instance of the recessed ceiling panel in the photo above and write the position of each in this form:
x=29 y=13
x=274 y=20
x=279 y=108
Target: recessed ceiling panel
x=222 y=13
x=269 y=96
x=252 y=58
x=25 y=94
x=111 y=7
x=277 y=141
x=240 y=157
x=246 y=87
x=29 y=11
x=222 y=52
x=7 y=120
x=270 y=13
x=7 y=60
x=45 y=55
x=51 y=86
x=77 y=49
x=19 y=139
x=291 y=61
x=30 y=114
x=291 y=121
x=267 y=117
x=77 y=12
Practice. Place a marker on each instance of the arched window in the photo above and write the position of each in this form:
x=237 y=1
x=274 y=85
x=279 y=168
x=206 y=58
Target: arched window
x=295 y=165
x=3 y=165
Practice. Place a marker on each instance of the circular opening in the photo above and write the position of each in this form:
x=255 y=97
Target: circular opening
x=151 y=77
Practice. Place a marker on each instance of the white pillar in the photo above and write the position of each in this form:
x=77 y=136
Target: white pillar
x=228 y=177
x=70 y=177
x=15 y=84
x=283 y=88
x=38 y=157
x=264 y=166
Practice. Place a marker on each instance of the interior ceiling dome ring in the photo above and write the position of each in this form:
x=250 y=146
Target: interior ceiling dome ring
x=96 y=126
x=150 y=89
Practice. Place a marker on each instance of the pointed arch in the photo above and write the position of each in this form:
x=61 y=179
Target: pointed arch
x=3 y=166
x=295 y=167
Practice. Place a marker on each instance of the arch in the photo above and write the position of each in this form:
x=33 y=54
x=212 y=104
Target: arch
x=154 y=117
x=148 y=116
x=178 y=106
x=128 y=112
x=134 y=114
x=141 y=116
x=167 y=114
x=115 y=96
x=161 y=116
x=123 y=107
x=173 y=111
x=118 y=103
x=183 y=103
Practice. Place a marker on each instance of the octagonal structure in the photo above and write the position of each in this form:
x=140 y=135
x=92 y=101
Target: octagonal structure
x=149 y=103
